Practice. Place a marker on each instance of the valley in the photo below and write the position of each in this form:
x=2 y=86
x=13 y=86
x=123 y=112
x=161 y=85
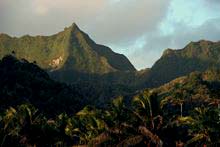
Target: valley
x=65 y=90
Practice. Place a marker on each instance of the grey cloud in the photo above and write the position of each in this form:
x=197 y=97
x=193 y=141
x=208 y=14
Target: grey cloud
x=181 y=36
x=124 y=21
x=117 y=23
x=120 y=23
x=19 y=17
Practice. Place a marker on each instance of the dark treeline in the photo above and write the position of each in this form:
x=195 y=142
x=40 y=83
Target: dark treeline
x=37 y=111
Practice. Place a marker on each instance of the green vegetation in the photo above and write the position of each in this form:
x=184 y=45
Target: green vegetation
x=119 y=125
x=71 y=48
x=103 y=102
x=196 y=56
x=21 y=81
x=36 y=111
x=71 y=56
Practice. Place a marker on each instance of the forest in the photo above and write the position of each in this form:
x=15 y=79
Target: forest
x=66 y=90
x=41 y=112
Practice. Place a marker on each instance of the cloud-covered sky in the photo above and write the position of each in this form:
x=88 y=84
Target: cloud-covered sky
x=140 y=29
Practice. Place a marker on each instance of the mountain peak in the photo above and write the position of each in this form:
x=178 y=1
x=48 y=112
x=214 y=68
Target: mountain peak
x=70 y=49
x=73 y=28
x=196 y=56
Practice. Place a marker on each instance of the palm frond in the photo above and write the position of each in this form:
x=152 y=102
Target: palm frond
x=187 y=120
x=105 y=136
x=147 y=133
x=196 y=138
x=131 y=141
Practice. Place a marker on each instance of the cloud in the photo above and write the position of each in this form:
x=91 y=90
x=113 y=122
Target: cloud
x=19 y=17
x=139 y=29
x=124 y=21
x=182 y=34
x=116 y=23
x=70 y=7
x=184 y=22
x=108 y=21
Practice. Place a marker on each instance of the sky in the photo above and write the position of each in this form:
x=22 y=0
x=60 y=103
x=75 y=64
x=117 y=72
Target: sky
x=139 y=29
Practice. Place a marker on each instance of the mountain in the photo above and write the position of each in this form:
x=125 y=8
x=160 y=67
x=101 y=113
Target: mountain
x=25 y=82
x=196 y=56
x=71 y=56
x=195 y=89
x=183 y=108
x=71 y=49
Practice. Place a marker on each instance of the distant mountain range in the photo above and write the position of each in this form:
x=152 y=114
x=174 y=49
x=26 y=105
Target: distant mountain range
x=71 y=56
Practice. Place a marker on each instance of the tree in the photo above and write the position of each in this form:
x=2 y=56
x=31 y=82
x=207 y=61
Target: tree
x=142 y=107
x=90 y=125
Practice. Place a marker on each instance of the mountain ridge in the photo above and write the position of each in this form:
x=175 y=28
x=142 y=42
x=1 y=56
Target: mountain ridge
x=68 y=49
x=71 y=55
x=196 y=56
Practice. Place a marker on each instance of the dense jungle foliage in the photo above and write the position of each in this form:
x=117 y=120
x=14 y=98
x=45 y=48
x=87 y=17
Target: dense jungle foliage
x=37 y=111
x=66 y=90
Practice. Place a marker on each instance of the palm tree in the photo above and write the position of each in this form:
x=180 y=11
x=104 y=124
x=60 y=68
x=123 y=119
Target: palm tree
x=9 y=125
x=114 y=123
x=90 y=124
x=142 y=107
x=198 y=129
x=177 y=98
x=18 y=122
x=202 y=125
x=24 y=125
x=180 y=102
x=117 y=126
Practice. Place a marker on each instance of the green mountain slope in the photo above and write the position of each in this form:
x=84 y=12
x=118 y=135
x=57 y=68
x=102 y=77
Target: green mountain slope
x=25 y=82
x=193 y=90
x=196 y=56
x=177 y=111
x=70 y=49
x=71 y=56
